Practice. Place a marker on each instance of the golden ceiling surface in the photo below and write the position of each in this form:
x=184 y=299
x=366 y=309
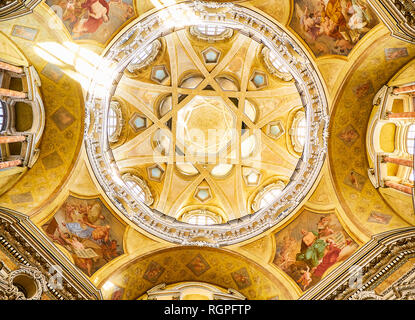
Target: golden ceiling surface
x=175 y=128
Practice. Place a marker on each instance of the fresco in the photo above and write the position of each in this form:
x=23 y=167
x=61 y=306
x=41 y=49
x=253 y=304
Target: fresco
x=87 y=229
x=241 y=278
x=332 y=26
x=310 y=245
x=348 y=135
x=355 y=180
x=53 y=72
x=395 y=53
x=24 y=32
x=117 y=293
x=92 y=19
x=153 y=272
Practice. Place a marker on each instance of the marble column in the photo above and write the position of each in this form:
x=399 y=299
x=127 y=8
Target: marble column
x=9 y=164
x=398 y=186
x=10 y=139
x=404 y=89
x=9 y=67
x=402 y=162
x=13 y=94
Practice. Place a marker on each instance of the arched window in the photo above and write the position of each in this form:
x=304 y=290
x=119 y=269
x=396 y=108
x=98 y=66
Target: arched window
x=410 y=139
x=112 y=121
x=115 y=121
x=211 y=29
x=145 y=56
x=275 y=61
x=298 y=131
x=201 y=217
x=268 y=195
x=139 y=188
x=201 y=220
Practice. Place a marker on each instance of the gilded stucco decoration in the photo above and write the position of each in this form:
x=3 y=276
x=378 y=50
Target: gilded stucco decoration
x=89 y=224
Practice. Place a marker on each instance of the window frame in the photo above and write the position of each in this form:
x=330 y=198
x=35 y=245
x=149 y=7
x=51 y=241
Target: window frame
x=298 y=140
x=259 y=197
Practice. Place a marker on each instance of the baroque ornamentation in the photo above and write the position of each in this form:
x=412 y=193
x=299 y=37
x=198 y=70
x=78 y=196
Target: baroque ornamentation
x=39 y=259
x=286 y=76
x=139 y=36
x=11 y=9
x=358 y=277
x=142 y=62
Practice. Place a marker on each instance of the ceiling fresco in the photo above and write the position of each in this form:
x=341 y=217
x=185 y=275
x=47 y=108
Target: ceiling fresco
x=192 y=83
x=332 y=27
x=218 y=267
x=310 y=245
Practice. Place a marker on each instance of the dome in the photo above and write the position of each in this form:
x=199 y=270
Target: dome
x=218 y=101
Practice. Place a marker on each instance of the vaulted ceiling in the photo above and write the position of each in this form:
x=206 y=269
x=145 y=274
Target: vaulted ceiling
x=198 y=84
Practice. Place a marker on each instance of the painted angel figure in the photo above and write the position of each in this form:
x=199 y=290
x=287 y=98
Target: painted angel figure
x=310 y=22
x=305 y=279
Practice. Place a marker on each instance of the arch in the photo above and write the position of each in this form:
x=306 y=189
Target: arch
x=180 y=264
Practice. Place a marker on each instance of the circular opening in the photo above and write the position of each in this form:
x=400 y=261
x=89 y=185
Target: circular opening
x=26 y=285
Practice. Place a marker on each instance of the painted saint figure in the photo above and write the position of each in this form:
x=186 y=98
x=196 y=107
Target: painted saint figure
x=97 y=13
x=84 y=228
x=312 y=249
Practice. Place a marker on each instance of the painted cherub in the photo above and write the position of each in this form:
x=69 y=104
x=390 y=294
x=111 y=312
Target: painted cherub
x=305 y=279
